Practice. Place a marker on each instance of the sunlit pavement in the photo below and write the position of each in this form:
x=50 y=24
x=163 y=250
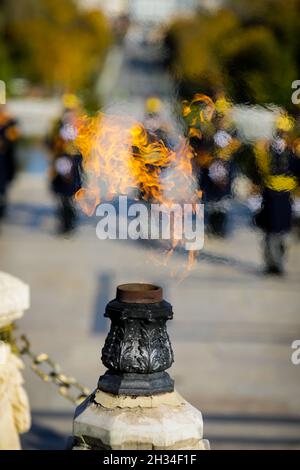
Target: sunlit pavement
x=232 y=330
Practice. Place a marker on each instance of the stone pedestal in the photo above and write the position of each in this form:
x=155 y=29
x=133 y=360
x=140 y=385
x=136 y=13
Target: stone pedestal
x=135 y=405
x=158 y=422
x=14 y=406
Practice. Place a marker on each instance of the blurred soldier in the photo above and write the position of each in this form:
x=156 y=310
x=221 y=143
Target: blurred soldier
x=198 y=115
x=219 y=176
x=154 y=123
x=154 y=130
x=9 y=134
x=296 y=205
x=214 y=147
x=279 y=169
x=66 y=163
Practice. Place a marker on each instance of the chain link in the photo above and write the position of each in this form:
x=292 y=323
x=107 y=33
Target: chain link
x=52 y=373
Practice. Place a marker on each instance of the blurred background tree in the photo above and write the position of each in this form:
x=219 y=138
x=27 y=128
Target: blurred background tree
x=52 y=43
x=250 y=48
x=195 y=48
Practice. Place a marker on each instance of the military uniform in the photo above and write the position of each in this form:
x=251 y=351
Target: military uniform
x=279 y=169
x=215 y=171
x=8 y=136
x=214 y=143
x=65 y=169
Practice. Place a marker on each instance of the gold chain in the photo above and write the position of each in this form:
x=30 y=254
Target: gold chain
x=6 y=335
x=54 y=374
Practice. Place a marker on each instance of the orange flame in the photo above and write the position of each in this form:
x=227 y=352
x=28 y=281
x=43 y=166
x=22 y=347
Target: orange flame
x=121 y=157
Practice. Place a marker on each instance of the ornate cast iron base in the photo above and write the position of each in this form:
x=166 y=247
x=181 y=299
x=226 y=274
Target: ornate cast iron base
x=136 y=384
x=137 y=350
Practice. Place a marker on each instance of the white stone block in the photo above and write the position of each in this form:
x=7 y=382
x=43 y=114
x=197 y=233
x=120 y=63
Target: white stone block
x=168 y=424
x=14 y=298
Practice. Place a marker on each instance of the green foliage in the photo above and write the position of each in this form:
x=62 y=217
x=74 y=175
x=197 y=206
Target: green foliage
x=251 y=49
x=197 y=57
x=258 y=69
x=6 y=68
x=55 y=44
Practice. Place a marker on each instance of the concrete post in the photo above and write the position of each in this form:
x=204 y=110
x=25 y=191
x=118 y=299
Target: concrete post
x=14 y=406
x=135 y=405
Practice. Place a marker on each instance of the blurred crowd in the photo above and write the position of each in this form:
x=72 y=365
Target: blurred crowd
x=218 y=165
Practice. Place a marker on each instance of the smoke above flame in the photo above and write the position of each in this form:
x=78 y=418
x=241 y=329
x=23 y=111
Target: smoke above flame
x=120 y=157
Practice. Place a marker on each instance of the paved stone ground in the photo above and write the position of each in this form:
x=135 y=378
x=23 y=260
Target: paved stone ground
x=232 y=330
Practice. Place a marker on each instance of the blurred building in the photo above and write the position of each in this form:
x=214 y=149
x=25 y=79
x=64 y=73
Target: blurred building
x=156 y=11
x=111 y=8
x=150 y=11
